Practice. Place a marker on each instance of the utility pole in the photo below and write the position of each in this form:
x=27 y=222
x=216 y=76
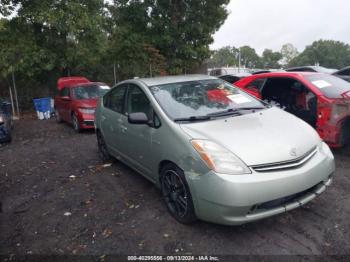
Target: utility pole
x=12 y=105
x=239 y=60
x=15 y=90
x=115 y=74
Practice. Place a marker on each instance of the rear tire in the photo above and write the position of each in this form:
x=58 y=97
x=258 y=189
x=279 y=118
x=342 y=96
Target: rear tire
x=176 y=194
x=102 y=148
x=75 y=123
x=57 y=116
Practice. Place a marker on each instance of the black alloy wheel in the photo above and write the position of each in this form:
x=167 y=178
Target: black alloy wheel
x=176 y=194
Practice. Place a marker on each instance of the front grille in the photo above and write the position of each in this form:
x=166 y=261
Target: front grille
x=285 y=165
x=285 y=200
x=89 y=122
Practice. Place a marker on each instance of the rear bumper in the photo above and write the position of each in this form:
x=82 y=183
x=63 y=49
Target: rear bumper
x=238 y=199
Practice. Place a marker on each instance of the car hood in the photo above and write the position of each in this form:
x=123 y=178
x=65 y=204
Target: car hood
x=263 y=137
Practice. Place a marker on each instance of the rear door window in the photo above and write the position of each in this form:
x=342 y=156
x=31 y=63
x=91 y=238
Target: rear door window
x=115 y=99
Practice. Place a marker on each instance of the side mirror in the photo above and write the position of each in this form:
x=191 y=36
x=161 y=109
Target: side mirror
x=138 y=118
x=66 y=98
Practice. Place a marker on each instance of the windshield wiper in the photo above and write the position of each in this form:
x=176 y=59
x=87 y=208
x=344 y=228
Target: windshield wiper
x=251 y=108
x=193 y=118
x=234 y=111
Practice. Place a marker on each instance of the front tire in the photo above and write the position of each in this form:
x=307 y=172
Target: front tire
x=57 y=116
x=75 y=123
x=176 y=194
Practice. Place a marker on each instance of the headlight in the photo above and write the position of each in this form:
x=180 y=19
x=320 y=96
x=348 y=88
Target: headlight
x=90 y=111
x=325 y=149
x=1 y=119
x=219 y=159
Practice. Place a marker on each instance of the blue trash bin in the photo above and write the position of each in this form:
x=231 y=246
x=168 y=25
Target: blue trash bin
x=43 y=107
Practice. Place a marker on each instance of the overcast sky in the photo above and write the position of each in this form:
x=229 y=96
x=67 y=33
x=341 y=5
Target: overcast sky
x=271 y=23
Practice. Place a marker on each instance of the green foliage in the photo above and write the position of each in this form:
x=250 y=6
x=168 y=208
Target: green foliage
x=225 y=56
x=271 y=59
x=186 y=30
x=42 y=40
x=327 y=53
x=288 y=52
x=180 y=30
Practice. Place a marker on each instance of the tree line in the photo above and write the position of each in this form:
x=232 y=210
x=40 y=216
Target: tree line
x=41 y=41
x=327 y=53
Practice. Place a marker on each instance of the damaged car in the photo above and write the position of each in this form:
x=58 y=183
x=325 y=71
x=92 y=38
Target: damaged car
x=217 y=153
x=76 y=101
x=321 y=100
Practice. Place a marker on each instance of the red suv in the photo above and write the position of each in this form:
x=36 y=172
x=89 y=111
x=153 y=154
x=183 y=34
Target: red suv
x=76 y=101
x=321 y=100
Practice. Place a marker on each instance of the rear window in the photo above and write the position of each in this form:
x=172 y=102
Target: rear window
x=330 y=86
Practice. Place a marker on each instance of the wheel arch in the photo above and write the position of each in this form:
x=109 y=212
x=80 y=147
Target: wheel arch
x=163 y=163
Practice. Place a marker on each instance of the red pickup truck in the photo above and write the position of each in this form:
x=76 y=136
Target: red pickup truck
x=76 y=101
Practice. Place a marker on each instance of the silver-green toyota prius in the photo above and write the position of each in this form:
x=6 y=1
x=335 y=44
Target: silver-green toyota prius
x=217 y=153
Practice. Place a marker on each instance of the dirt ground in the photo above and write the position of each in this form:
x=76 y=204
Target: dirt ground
x=58 y=198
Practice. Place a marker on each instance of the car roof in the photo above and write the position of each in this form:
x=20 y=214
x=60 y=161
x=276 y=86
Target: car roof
x=70 y=81
x=286 y=74
x=88 y=84
x=319 y=69
x=173 y=79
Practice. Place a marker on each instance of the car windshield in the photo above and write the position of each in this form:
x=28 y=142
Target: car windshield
x=196 y=99
x=330 y=86
x=89 y=91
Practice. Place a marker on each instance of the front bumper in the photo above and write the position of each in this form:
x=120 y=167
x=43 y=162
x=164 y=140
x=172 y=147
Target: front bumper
x=86 y=121
x=330 y=134
x=238 y=199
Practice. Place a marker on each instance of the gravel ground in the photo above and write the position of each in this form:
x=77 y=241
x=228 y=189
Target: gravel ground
x=58 y=198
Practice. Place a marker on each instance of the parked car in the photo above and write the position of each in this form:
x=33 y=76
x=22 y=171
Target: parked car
x=217 y=153
x=6 y=123
x=322 y=100
x=232 y=78
x=343 y=73
x=76 y=102
x=228 y=70
x=316 y=69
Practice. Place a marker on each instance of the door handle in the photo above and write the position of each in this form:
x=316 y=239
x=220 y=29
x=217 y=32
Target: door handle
x=103 y=118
